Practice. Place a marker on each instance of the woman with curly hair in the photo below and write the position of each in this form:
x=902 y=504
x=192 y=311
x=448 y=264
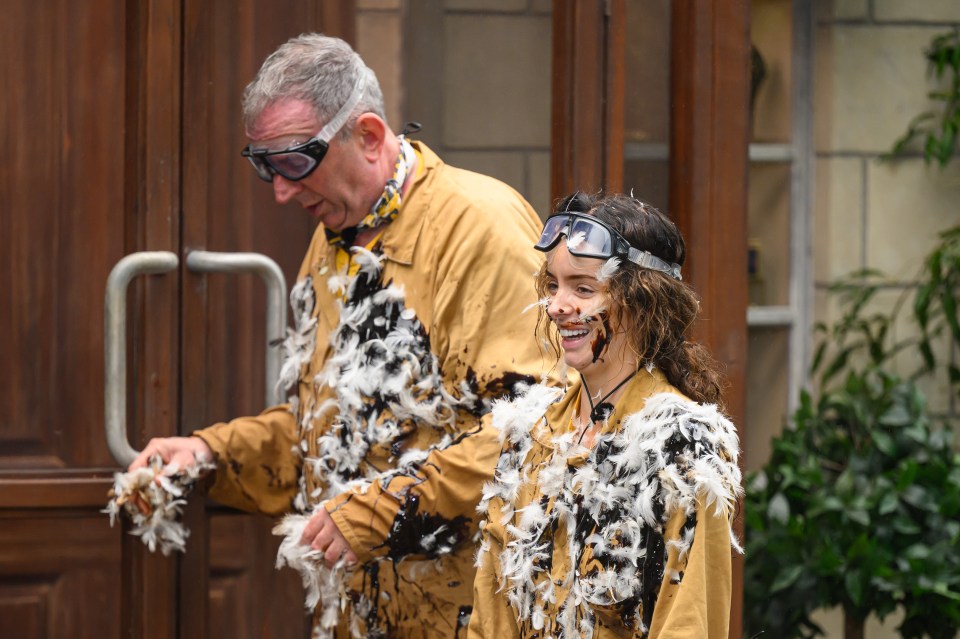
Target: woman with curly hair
x=610 y=510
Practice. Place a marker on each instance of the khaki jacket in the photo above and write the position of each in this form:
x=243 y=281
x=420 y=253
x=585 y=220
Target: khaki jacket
x=629 y=539
x=389 y=376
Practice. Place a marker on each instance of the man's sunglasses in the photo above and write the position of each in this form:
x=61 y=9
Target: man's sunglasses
x=300 y=160
x=588 y=236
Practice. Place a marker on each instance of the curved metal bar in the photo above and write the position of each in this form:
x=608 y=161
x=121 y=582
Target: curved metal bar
x=115 y=344
x=272 y=276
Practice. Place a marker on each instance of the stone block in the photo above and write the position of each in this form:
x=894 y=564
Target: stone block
x=908 y=204
x=832 y=623
x=768 y=228
x=927 y=11
x=541 y=6
x=848 y=9
x=538 y=182
x=767 y=392
x=497 y=81
x=838 y=218
x=934 y=386
x=378 y=5
x=822 y=305
x=869 y=82
x=379 y=43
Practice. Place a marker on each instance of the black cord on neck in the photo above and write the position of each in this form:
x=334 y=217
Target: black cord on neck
x=601 y=410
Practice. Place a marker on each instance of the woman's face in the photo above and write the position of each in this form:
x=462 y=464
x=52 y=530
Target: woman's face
x=578 y=304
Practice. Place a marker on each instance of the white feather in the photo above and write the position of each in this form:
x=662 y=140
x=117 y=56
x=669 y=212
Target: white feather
x=153 y=497
x=543 y=302
x=607 y=269
x=324 y=586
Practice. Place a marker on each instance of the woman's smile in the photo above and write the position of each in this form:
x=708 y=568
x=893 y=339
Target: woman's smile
x=571 y=337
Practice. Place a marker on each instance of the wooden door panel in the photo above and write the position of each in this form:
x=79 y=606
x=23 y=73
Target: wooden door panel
x=61 y=224
x=247 y=593
x=59 y=575
x=708 y=191
x=25 y=605
x=225 y=207
x=72 y=203
x=121 y=132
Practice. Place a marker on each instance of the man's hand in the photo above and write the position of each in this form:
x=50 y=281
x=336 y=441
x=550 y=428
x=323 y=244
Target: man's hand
x=182 y=451
x=321 y=533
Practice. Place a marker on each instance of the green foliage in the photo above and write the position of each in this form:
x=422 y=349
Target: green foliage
x=935 y=306
x=859 y=505
x=938 y=130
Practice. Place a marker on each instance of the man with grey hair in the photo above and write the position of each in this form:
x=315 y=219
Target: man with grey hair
x=407 y=322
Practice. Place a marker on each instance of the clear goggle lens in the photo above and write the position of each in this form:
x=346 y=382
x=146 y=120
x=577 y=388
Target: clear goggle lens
x=585 y=237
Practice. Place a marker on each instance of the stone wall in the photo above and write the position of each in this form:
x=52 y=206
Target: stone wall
x=475 y=74
x=870 y=80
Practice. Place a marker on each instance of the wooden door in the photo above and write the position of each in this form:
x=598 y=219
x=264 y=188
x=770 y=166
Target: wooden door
x=121 y=133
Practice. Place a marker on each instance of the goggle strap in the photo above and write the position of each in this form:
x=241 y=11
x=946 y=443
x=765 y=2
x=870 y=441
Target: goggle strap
x=646 y=259
x=337 y=121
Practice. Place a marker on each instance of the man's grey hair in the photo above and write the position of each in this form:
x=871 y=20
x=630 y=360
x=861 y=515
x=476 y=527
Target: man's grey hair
x=318 y=69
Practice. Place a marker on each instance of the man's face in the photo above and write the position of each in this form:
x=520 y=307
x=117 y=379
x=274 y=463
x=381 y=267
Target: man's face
x=335 y=191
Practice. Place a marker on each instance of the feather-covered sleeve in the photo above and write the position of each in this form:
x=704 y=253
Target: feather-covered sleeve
x=256 y=470
x=692 y=450
x=426 y=506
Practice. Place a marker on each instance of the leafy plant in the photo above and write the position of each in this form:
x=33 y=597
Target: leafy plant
x=859 y=505
x=938 y=130
x=936 y=303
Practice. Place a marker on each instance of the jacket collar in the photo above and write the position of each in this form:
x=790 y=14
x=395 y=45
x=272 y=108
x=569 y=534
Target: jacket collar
x=559 y=416
x=401 y=236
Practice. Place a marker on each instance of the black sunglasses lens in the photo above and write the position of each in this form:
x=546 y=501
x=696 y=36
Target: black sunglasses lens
x=263 y=170
x=293 y=166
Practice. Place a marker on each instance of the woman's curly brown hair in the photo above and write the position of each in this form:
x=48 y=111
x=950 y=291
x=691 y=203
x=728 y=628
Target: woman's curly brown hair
x=655 y=310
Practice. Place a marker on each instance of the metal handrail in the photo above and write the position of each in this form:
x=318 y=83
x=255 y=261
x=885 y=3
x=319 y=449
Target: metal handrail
x=115 y=344
x=115 y=327
x=271 y=274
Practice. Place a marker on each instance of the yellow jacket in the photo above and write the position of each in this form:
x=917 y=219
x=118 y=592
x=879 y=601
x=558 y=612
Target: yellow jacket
x=386 y=369
x=629 y=539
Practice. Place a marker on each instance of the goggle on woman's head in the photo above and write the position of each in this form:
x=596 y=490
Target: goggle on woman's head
x=589 y=236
